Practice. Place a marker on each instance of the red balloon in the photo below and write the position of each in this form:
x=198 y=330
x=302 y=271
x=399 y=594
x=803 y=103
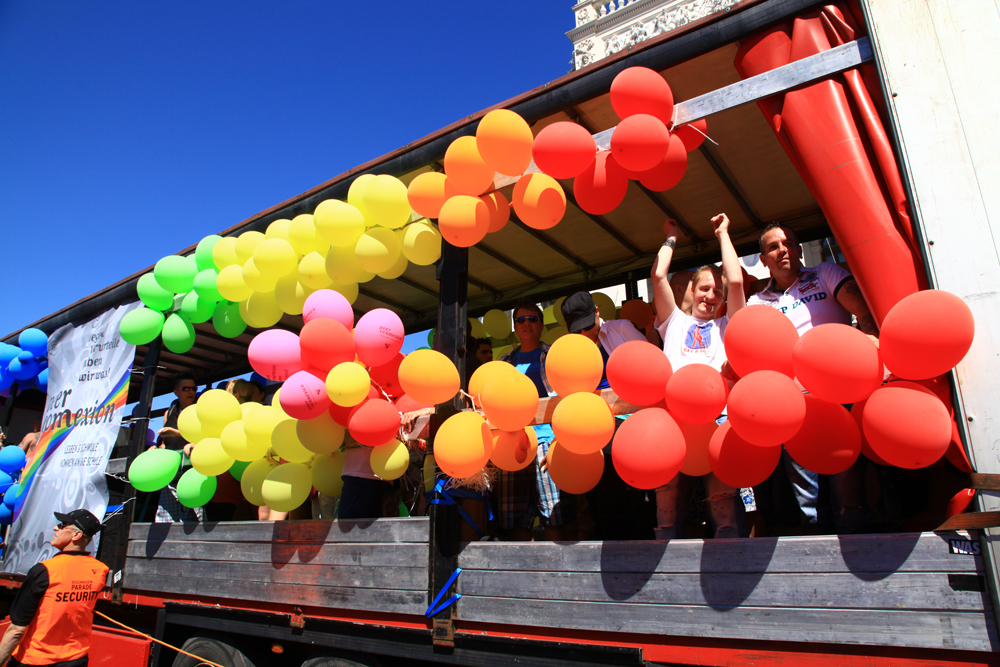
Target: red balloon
x=837 y=363
x=325 y=343
x=858 y=412
x=641 y=90
x=342 y=415
x=906 y=427
x=374 y=422
x=938 y=386
x=760 y=338
x=692 y=134
x=648 y=449
x=564 y=150
x=638 y=372
x=386 y=376
x=406 y=404
x=959 y=502
x=640 y=142
x=829 y=440
x=766 y=408
x=926 y=334
x=696 y=393
x=602 y=186
x=671 y=169
x=956 y=451
x=738 y=463
x=638 y=312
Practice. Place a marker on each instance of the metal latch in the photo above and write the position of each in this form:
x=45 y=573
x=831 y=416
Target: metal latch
x=297 y=620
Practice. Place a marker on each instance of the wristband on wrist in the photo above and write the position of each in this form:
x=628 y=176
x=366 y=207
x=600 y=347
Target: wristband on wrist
x=670 y=243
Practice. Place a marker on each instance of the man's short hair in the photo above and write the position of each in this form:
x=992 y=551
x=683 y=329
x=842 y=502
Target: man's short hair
x=713 y=269
x=181 y=377
x=531 y=306
x=479 y=342
x=789 y=234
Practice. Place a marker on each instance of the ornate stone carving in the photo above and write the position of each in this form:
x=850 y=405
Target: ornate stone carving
x=584 y=15
x=666 y=20
x=583 y=53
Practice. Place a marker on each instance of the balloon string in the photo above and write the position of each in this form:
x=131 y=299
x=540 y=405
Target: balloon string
x=703 y=134
x=203 y=661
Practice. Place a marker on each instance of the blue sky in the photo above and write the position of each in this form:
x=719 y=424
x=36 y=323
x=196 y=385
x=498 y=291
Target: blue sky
x=130 y=130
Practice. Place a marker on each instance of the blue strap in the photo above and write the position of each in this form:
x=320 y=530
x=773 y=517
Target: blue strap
x=431 y=610
x=447 y=603
x=448 y=498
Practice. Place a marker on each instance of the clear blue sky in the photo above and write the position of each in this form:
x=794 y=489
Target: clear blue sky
x=130 y=130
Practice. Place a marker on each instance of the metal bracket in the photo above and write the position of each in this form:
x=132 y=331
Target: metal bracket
x=296 y=619
x=443 y=632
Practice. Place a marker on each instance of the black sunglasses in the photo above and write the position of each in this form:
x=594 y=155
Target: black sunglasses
x=67 y=525
x=189 y=388
x=526 y=318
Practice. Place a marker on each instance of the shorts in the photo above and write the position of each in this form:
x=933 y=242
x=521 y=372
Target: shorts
x=529 y=493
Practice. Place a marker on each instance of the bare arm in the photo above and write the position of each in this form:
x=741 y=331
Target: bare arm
x=850 y=297
x=11 y=638
x=735 y=299
x=663 y=296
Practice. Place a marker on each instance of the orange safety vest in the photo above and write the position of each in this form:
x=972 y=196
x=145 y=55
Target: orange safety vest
x=61 y=627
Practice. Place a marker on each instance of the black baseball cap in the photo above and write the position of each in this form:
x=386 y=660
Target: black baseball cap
x=83 y=520
x=579 y=311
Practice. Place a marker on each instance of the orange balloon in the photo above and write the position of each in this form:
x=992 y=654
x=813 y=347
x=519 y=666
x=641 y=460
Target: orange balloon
x=574 y=473
x=504 y=142
x=583 y=423
x=697 y=437
x=499 y=210
x=638 y=312
x=482 y=375
x=514 y=450
x=510 y=401
x=574 y=364
x=429 y=377
x=463 y=445
x=467 y=172
x=428 y=192
x=464 y=220
x=539 y=201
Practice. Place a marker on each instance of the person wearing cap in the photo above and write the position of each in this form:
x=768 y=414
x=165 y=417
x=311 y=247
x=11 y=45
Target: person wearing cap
x=580 y=313
x=52 y=616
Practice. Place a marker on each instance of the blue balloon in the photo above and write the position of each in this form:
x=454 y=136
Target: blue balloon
x=25 y=385
x=10 y=495
x=6 y=515
x=12 y=459
x=22 y=369
x=8 y=353
x=257 y=377
x=6 y=379
x=24 y=356
x=42 y=380
x=5 y=482
x=34 y=341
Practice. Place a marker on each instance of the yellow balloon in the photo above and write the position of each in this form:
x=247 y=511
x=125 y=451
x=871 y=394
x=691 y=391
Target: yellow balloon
x=312 y=271
x=278 y=229
x=349 y=292
x=550 y=336
x=477 y=329
x=260 y=311
x=605 y=306
x=557 y=311
x=276 y=404
x=230 y=283
x=355 y=194
x=209 y=458
x=497 y=323
x=189 y=425
x=548 y=316
x=343 y=267
x=290 y=294
x=339 y=223
x=390 y=461
x=347 y=384
x=302 y=235
x=396 y=270
x=217 y=409
x=259 y=424
x=247 y=407
x=421 y=243
x=275 y=257
x=286 y=487
x=377 y=249
x=255 y=279
x=234 y=441
x=285 y=442
x=224 y=252
x=385 y=202
x=321 y=434
x=245 y=244
x=253 y=479
x=326 y=473
x=500 y=351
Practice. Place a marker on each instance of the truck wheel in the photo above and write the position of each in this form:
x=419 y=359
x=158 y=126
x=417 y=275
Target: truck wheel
x=329 y=660
x=211 y=649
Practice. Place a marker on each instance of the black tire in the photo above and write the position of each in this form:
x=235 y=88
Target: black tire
x=330 y=660
x=211 y=649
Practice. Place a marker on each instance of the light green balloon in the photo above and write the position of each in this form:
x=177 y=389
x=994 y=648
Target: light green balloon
x=152 y=294
x=141 y=326
x=194 y=489
x=176 y=273
x=203 y=253
x=237 y=470
x=205 y=285
x=154 y=469
x=196 y=309
x=178 y=334
x=227 y=320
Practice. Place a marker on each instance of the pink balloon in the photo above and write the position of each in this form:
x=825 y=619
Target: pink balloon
x=329 y=304
x=303 y=396
x=378 y=336
x=275 y=354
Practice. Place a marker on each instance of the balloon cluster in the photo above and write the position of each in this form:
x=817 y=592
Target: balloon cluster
x=12 y=460
x=27 y=362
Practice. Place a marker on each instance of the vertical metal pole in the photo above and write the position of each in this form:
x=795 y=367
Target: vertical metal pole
x=452 y=321
x=631 y=287
x=115 y=535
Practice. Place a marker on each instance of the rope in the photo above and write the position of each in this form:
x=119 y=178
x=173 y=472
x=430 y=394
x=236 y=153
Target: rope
x=154 y=639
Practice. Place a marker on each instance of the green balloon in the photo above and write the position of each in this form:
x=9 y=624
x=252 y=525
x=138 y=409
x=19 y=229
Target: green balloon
x=203 y=253
x=194 y=489
x=430 y=337
x=204 y=285
x=178 y=334
x=196 y=309
x=176 y=273
x=227 y=319
x=141 y=326
x=152 y=294
x=237 y=470
x=154 y=469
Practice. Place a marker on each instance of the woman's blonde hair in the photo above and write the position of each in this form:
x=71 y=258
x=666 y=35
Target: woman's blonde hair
x=241 y=389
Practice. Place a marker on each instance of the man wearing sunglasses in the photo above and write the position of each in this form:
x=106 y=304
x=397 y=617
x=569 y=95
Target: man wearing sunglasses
x=170 y=509
x=51 y=617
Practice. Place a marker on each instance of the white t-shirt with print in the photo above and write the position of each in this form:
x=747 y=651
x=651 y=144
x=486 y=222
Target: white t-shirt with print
x=689 y=340
x=810 y=301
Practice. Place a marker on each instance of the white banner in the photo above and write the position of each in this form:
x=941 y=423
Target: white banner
x=89 y=371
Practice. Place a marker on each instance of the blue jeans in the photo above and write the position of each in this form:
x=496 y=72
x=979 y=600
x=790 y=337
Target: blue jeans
x=847 y=501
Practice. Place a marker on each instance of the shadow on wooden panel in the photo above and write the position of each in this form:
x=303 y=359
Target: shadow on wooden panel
x=642 y=557
x=156 y=536
x=718 y=561
x=871 y=560
x=289 y=539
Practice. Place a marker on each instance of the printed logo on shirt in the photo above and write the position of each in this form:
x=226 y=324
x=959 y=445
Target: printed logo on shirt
x=808 y=281
x=522 y=368
x=699 y=338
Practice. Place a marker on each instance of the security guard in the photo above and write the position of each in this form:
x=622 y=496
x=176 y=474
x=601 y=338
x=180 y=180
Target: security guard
x=52 y=615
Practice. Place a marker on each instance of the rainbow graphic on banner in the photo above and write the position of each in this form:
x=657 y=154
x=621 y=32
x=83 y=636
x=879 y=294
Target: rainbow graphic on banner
x=55 y=434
